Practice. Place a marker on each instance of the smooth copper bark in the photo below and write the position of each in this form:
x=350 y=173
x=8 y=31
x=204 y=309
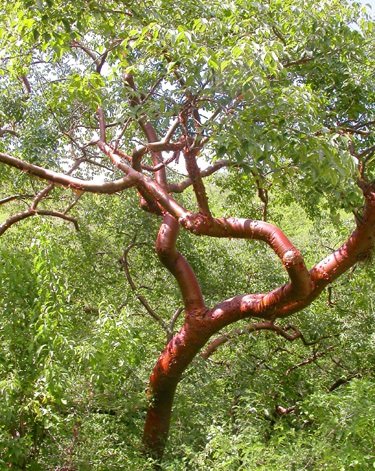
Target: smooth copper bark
x=256 y=230
x=302 y=289
x=65 y=180
x=178 y=265
x=196 y=179
x=173 y=361
x=182 y=348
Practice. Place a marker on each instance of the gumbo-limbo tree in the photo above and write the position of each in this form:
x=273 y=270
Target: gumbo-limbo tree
x=276 y=97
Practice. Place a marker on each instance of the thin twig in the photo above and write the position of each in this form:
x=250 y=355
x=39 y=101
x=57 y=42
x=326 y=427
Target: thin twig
x=124 y=261
x=309 y=360
x=173 y=321
x=33 y=208
x=102 y=126
x=4 y=131
x=8 y=199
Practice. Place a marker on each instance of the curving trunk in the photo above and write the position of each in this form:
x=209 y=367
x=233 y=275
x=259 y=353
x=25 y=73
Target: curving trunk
x=164 y=379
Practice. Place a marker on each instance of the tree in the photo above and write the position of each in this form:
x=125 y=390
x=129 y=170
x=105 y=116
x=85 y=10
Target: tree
x=277 y=97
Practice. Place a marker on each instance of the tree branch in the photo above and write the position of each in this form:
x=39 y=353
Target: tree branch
x=174 y=318
x=102 y=126
x=309 y=360
x=33 y=211
x=99 y=60
x=300 y=285
x=150 y=133
x=26 y=84
x=67 y=181
x=303 y=60
x=181 y=186
x=342 y=381
x=4 y=131
x=216 y=343
x=57 y=214
x=145 y=185
x=125 y=265
x=196 y=179
x=7 y=199
x=29 y=213
x=267 y=325
x=178 y=265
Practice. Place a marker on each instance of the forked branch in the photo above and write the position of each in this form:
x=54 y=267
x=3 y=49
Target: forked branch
x=33 y=208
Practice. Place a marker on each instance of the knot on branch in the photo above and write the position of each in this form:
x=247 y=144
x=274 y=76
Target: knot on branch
x=196 y=223
x=291 y=258
x=323 y=274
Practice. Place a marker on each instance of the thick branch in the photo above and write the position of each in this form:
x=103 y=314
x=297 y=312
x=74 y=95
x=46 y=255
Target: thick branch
x=178 y=265
x=196 y=179
x=304 y=286
x=181 y=349
x=291 y=258
x=145 y=185
x=285 y=300
x=150 y=133
x=65 y=180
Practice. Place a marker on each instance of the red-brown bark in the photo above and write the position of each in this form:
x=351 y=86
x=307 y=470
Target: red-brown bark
x=165 y=377
x=201 y=324
x=196 y=179
x=65 y=180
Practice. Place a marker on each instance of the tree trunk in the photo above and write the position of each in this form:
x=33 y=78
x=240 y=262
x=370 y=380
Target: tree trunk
x=164 y=379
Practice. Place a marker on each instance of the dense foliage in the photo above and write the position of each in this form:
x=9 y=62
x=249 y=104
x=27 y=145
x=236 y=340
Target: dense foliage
x=279 y=96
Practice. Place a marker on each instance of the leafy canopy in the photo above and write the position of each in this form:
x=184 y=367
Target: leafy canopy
x=283 y=86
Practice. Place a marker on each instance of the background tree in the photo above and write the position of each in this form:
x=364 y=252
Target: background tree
x=275 y=99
